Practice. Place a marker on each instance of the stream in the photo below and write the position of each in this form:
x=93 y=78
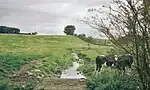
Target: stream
x=71 y=72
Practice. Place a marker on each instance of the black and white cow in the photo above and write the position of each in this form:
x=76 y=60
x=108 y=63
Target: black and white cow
x=100 y=60
x=123 y=61
x=111 y=61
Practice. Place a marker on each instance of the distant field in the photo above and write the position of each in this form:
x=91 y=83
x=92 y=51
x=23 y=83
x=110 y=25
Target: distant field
x=43 y=44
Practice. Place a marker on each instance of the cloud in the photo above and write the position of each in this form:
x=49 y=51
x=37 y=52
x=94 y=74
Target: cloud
x=46 y=16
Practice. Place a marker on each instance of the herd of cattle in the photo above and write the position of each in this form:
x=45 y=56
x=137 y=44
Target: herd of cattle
x=113 y=61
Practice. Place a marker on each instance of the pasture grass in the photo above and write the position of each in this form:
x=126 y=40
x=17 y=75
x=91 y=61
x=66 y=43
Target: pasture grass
x=42 y=44
x=37 y=44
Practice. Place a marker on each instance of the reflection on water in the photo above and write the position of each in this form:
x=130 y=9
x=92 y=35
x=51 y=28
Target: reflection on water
x=72 y=72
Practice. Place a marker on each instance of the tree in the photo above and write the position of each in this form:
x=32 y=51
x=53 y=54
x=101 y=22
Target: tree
x=75 y=35
x=90 y=39
x=82 y=36
x=127 y=17
x=4 y=29
x=14 y=30
x=69 y=29
x=34 y=33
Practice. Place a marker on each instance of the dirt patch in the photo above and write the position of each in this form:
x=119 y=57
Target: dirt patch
x=62 y=84
x=24 y=73
x=23 y=69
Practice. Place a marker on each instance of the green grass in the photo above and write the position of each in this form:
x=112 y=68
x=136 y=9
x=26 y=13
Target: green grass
x=41 y=44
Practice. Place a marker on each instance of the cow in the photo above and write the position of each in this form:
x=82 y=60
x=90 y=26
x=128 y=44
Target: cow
x=110 y=60
x=100 y=60
x=123 y=61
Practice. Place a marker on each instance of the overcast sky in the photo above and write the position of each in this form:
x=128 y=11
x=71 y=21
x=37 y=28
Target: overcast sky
x=46 y=16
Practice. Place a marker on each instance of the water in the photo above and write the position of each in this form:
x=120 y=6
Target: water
x=72 y=73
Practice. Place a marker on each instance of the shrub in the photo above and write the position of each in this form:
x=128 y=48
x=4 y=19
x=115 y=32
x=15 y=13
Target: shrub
x=88 y=66
x=87 y=69
x=113 y=80
x=3 y=83
x=28 y=86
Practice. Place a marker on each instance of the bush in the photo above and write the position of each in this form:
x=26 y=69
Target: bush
x=87 y=69
x=3 y=83
x=88 y=66
x=28 y=86
x=113 y=80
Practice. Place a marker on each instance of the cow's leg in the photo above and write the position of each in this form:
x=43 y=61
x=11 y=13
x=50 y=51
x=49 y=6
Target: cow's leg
x=129 y=66
x=97 y=67
x=100 y=66
x=123 y=68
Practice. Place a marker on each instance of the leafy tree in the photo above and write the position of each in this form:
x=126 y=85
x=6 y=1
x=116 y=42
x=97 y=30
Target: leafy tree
x=75 y=35
x=90 y=39
x=69 y=30
x=82 y=36
x=34 y=33
x=4 y=29
x=128 y=16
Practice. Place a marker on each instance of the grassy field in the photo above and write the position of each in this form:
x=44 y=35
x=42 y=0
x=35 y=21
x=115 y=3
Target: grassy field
x=43 y=44
x=48 y=53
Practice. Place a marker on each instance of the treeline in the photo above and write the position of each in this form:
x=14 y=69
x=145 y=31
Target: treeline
x=92 y=40
x=12 y=30
x=33 y=33
x=4 y=29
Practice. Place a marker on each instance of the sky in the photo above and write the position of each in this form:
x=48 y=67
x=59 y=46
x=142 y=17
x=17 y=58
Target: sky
x=47 y=16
